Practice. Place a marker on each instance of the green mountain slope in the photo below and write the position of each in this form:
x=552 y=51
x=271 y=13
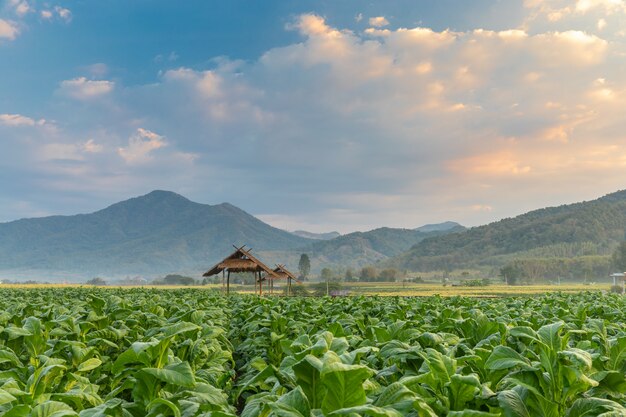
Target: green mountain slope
x=153 y=234
x=584 y=229
x=355 y=250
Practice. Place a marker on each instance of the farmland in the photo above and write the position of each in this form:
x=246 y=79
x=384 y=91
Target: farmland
x=92 y=352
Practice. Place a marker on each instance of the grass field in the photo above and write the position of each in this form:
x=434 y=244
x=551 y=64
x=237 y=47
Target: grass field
x=390 y=289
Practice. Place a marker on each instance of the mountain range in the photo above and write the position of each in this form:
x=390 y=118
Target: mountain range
x=586 y=232
x=163 y=232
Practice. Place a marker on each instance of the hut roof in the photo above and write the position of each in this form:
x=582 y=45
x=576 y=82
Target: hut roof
x=240 y=261
x=284 y=273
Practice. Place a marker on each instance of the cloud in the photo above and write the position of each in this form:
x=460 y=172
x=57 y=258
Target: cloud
x=378 y=21
x=19 y=120
x=21 y=7
x=140 y=146
x=63 y=13
x=8 y=30
x=83 y=89
x=358 y=128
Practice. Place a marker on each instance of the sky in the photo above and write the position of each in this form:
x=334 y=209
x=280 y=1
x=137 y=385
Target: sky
x=316 y=115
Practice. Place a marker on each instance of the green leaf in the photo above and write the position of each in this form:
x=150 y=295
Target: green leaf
x=471 y=413
x=52 y=409
x=8 y=356
x=595 y=407
x=89 y=365
x=367 y=410
x=157 y=402
x=503 y=357
x=179 y=374
x=5 y=397
x=292 y=404
x=512 y=404
x=463 y=389
x=549 y=335
x=344 y=383
x=308 y=377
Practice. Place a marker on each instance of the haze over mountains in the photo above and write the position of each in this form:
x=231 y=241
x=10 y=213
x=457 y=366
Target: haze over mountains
x=163 y=232
x=584 y=232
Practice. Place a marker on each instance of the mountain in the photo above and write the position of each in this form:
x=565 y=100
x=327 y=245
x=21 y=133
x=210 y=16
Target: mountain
x=156 y=233
x=355 y=250
x=316 y=236
x=438 y=227
x=586 y=231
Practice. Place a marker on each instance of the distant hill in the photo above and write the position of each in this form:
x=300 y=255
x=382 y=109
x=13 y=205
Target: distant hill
x=355 y=250
x=157 y=233
x=586 y=231
x=316 y=236
x=438 y=227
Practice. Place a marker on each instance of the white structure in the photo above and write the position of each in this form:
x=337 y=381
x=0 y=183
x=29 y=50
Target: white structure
x=619 y=277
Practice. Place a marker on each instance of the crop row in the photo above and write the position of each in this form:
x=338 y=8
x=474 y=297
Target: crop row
x=141 y=352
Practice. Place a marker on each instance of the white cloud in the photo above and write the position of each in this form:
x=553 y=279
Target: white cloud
x=140 y=146
x=8 y=30
x=21 y=7
x=83 y=89
x=378 y=21
x=63 y=13
x=46 y=14
x=19 y=120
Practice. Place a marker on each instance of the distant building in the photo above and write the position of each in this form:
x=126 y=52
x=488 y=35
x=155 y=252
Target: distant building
x=618 y=277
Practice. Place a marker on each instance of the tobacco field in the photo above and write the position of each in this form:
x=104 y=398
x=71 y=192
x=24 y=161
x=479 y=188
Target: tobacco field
x=93 y=352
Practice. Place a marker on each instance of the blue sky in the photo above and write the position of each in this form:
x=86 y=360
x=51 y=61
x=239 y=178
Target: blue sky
x=320 y=115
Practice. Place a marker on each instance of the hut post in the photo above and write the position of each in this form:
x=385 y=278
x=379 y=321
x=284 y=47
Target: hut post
x=289 y=286
x=223 y=281
x=228 y=283
x=260 y=285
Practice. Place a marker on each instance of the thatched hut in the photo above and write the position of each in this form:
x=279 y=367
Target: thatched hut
x=242 y=261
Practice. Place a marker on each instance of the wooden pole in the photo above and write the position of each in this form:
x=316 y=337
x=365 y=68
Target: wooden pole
x=254 y=274
x=260 y=285
x=228 y=283
x=223 y=280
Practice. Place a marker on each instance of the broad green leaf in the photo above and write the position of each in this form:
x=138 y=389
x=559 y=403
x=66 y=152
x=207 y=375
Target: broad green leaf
x=471 y=413
x=550 y=335
x=179 y=374
x=463 y=389
x=157 y=402
x=89 y=365
x=369 y=410
x=308 y=376
x=292 y=404
x=52 y=409
x=503 y=357
x=595 y=407
x=5 y=397
x=8 y=356
x=344 y=384
x=512 y=404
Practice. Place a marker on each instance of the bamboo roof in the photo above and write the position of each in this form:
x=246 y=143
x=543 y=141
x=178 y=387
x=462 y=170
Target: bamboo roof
x=284 y=273
x=240 y=261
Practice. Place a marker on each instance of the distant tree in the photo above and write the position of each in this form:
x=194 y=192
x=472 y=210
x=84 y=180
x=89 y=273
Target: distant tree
x=368 y=274
x=619 y=258
x=511 y=274
x=389 y=275
x=327 y=274
x=349 y=275
x=96 y=281
x=173 y=279
x=304 y=266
